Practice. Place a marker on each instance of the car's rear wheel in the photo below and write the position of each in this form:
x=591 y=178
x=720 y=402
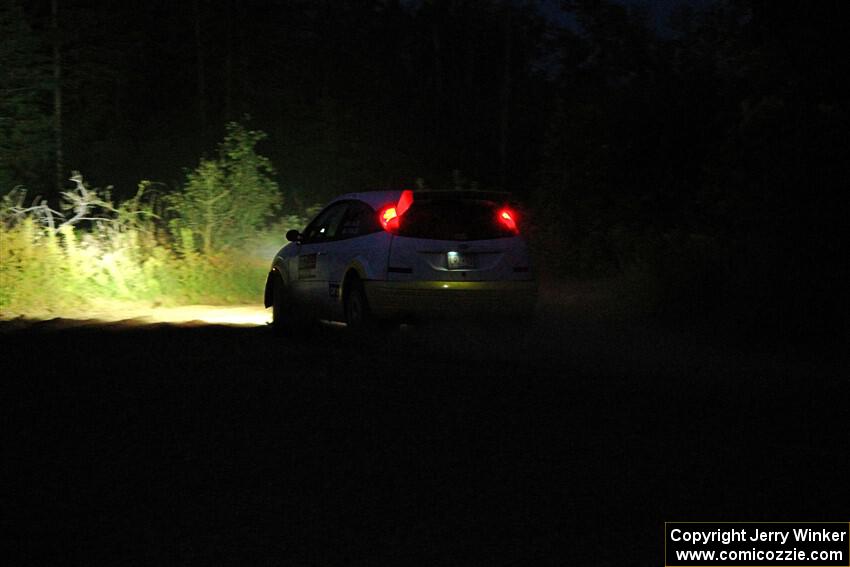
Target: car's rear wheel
x=358 y=316
x=283 y=316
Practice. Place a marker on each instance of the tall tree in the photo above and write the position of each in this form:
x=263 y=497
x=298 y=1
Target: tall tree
x=228 y=61
x=24 y=106
x=199 y=65
x=505 y=98
x=57 y=93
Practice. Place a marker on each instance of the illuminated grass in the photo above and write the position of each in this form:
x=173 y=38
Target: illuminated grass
x=71 y=273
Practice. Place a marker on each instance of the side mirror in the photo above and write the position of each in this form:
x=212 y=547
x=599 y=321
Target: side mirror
x=293 y=235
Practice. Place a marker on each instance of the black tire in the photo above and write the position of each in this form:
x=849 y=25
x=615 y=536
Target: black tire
x=282 y=313
x=358 y=316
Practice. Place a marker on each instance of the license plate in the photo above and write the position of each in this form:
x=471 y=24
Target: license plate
x=460 y=261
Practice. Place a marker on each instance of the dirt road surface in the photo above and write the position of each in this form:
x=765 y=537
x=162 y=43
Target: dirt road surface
x=145 y=442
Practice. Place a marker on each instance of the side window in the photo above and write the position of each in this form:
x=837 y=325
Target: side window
x=360 y=219
x=326 y=225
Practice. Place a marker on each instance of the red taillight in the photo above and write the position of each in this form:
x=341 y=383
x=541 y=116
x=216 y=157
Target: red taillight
x=506 y=217
x=389 y=218
x=404 y=201
x=390 y=215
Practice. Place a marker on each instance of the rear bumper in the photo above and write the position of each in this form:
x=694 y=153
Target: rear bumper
x=441 y=299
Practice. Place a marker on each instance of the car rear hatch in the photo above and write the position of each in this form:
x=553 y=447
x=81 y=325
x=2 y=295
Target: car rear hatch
x=458 y=236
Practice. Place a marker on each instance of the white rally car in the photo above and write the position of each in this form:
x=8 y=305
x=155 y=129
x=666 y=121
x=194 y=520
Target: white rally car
x=393 y=256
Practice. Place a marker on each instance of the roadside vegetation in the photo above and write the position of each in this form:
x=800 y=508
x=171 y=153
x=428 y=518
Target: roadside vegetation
x=208 y=242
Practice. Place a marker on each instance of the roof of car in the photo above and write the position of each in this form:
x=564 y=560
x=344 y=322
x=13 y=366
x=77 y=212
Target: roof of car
x=377 y=199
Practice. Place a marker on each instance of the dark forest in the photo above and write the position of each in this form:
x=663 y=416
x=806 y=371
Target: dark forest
x=701 y=148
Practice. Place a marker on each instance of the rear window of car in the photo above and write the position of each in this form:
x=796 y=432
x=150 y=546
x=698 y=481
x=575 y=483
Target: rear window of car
x=453 y=219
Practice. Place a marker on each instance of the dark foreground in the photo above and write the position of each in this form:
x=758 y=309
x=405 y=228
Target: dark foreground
x=191 y=445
